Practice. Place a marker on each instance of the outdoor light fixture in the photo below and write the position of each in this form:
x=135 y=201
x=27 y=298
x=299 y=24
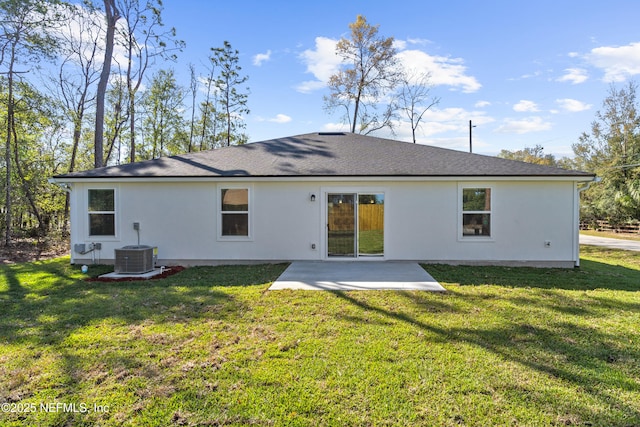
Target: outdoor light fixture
x=313 y=197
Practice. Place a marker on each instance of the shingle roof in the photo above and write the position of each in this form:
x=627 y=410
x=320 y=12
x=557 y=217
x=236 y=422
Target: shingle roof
x=326 y=154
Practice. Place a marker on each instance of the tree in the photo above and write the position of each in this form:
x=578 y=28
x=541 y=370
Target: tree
x=413 y=98
x=143 y=39
x=209 y=116
x=530 y=155
x=193 y=86
x=163 y=123
x=612 y=150
x=117 y=116
x=369 y=73
x=232 y=99
x=78 y=73
x=23 y=41
x=111 y=15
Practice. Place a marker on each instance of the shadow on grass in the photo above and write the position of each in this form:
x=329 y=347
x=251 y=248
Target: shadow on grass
x=46 y=302
x=46 y=307
x=51 y=313
x=586 y=359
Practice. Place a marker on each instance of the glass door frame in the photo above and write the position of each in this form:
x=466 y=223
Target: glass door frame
x=356 y=193
x=348 y=225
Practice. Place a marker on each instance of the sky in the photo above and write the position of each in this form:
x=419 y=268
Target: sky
x=525 y=72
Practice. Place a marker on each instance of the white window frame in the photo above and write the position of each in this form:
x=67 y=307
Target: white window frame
x=113 y=236
x=220 y=212
x=461 y=212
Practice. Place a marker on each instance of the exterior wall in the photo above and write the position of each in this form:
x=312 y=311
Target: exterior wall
x=533 y=222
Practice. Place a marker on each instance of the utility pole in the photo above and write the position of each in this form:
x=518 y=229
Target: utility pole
x=470 y=138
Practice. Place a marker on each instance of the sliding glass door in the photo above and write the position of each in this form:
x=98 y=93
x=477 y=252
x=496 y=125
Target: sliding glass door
x=370 y=225
x=355 y=225
x=341 y=225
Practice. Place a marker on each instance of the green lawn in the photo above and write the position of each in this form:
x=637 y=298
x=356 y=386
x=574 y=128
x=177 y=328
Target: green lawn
x=370 y=242
x=210 y=346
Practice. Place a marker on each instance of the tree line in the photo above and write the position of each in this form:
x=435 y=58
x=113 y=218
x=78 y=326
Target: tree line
x=611 y=150
x=82 y=88
x=87 y=85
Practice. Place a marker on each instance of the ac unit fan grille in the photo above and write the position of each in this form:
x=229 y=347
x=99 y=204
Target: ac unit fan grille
x=134 y=259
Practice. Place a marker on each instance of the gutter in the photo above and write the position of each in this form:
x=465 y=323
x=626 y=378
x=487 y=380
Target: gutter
x=64 y=185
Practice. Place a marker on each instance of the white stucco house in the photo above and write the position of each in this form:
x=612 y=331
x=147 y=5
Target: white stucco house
x=328 y=196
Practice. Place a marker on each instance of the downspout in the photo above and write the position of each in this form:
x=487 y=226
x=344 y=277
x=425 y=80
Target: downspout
x=580 y=188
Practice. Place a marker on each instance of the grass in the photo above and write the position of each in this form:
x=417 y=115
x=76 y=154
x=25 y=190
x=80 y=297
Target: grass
x=370 y=242
x=210 y=346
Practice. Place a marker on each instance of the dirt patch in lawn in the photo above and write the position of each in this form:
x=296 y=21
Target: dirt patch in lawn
x=32 y=249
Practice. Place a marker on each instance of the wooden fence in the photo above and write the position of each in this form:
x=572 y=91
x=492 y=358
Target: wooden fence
x=370 y=217
x=602 y=225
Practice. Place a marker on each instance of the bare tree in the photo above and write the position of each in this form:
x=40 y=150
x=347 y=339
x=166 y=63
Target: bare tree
x=112 y=15
x=78 y=73
x=369 y=74
x=194 y=92
x=144 y=39
x=414 y=98
x=208 y=108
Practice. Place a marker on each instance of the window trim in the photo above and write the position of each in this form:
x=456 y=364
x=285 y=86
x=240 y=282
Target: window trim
x=461 y=212
x=113 y=236
x=220 y=212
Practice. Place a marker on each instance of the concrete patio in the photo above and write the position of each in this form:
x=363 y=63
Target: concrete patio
x=354 y=275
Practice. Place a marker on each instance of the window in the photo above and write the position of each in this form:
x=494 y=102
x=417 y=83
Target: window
x=102 y=212
x=234 y=212
x=476 y=212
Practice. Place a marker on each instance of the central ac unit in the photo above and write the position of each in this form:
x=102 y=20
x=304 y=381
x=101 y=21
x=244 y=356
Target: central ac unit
x=135 y=259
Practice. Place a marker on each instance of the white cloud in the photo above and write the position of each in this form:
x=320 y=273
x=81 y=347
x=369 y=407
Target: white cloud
x=618 y=63
x=482 y=104
x=528 y=76
x=574 y=76
x=525 y=106
x=261 y=57
x=437 y=121
x=528 y=125
x=399 y=44
x=335 y=127
x=322 y=62
x=418 y=41
x=444 y=71
x=572 y=105
x=280 y=118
